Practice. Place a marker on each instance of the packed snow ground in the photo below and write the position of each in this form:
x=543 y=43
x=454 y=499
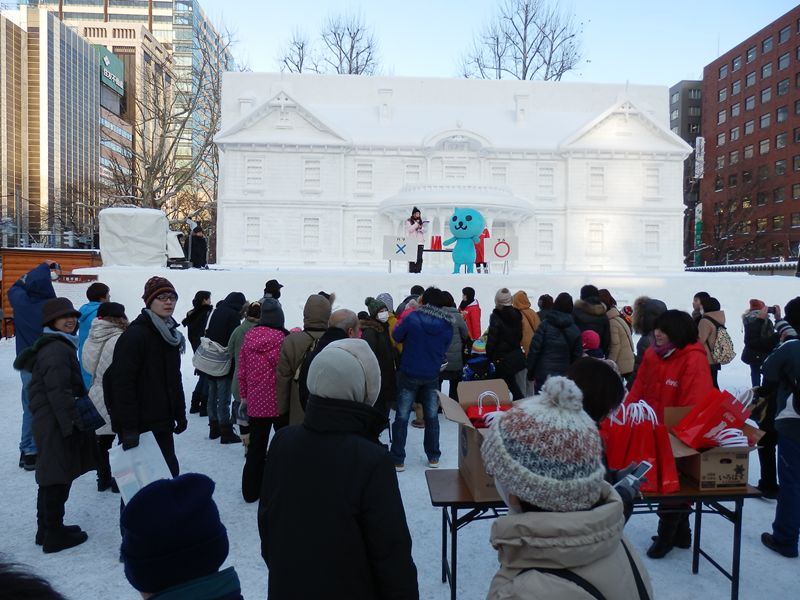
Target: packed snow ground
x=92 y=570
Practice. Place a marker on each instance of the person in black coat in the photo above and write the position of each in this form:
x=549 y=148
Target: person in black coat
x=556 y=343
x=375 y=331
x=503 y=341
x=197 y=249
x=195 y=322
x=330 y=481
x=589 y=312
x=142 y=387
x=65 y=452
x=227 y=316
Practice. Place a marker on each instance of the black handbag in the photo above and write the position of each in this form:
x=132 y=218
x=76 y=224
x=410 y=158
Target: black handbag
x=86 y=417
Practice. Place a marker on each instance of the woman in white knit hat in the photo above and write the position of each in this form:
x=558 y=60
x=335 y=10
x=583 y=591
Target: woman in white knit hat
x=564 y=527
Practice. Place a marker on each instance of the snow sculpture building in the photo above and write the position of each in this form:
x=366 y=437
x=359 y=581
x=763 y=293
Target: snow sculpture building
x=317 y=169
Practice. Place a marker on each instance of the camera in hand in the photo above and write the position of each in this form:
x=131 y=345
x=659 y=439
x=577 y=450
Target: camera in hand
x=771 y=310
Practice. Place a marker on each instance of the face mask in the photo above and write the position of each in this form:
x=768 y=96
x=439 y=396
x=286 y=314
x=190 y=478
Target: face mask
x=383 y=316
x=53 y=276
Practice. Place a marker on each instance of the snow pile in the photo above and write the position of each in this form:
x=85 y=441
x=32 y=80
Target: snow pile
x=93 y=571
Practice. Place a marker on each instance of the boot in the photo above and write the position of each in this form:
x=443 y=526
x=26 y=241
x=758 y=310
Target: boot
x=197 y=402
x=683 y=535
x=213 y=430
x=665 y=540
x=61 y=538
x=57 y=536
x=40 y=526
x=227 y=436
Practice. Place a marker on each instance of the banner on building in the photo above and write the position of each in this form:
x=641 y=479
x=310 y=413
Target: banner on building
x=501 y=249
x=699 y=157
x=398 y=248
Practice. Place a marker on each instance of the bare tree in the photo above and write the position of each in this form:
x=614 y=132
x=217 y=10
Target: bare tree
x=346 y=46
x=298 y=55
x=528 y=39
x=176 y=119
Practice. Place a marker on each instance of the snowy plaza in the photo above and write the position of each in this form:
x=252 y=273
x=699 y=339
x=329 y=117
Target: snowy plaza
x=92 y=570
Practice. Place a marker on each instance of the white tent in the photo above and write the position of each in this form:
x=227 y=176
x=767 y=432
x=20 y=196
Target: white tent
x=133 y=237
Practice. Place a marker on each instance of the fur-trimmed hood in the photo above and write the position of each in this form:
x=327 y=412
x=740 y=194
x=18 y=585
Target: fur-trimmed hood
x=594 y=308
x=645 y=312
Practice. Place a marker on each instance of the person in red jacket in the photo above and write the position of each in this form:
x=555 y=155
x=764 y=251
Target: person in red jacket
x=471 y=311
x=480 y=253
x=674 y=372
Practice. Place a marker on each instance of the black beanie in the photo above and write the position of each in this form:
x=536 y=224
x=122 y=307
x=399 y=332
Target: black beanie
x=791 y=312
x=271 y=314
x=171 y=533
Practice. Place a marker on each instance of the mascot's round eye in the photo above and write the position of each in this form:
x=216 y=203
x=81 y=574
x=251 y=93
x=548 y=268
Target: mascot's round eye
x=455 y=218
x=469 y=218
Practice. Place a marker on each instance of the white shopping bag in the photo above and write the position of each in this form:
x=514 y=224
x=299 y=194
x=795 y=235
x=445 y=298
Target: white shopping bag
x=135 y=468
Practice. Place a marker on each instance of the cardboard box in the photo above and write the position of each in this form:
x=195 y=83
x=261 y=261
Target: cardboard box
x=714 y=468
x=470 y=463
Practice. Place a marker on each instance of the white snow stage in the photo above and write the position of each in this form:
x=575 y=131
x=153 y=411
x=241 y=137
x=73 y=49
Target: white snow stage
x=93 y=571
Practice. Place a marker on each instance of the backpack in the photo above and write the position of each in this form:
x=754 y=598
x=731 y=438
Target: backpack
x=309 y=350
x=722 y=353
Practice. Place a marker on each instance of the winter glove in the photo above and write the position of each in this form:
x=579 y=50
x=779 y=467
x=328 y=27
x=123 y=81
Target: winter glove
x=241 y=413
x=130 y=439
x=180 y=427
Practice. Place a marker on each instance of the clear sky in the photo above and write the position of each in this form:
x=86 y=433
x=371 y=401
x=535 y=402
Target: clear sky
x=640 y=41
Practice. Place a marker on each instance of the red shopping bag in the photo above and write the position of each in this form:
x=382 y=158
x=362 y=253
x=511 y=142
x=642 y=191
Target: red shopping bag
x=642 y=446
x=721 y=411
x=615 y=435
x=667 y=469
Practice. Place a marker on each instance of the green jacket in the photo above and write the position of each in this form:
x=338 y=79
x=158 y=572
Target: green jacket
x=223 y=585
x=235 y=343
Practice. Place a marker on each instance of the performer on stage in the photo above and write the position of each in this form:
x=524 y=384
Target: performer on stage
x=415 y=233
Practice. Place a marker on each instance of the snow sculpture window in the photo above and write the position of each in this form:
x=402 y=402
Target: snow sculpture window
x=413 y=173
x=596 y=238
x=312 y=175
x=455 y=171
x=651 y=238
x=499 y=174
x=546 y=181
x=545 y=238
x=253 y=171
x=364 y=178
x=652 y=182
x=252 y=232
x=597 y=181
x=310 y=233
x=363 y=234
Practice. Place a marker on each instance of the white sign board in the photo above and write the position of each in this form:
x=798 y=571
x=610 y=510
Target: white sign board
x=398 y=248
x=500 y=249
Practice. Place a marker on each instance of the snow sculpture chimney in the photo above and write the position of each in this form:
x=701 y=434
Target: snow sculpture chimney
x=385 y=110
x=521 y=103
x=246 y=105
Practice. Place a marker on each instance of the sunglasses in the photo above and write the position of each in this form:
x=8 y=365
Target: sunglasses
x=167 y=297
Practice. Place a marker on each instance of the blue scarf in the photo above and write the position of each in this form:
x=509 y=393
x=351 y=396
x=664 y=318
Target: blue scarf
x=71 y=338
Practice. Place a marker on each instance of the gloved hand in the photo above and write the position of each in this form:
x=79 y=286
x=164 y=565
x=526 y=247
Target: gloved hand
x=130 y=439
x=241 y=413
x=180 y=427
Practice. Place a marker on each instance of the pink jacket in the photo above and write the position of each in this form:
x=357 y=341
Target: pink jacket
x=257 y=374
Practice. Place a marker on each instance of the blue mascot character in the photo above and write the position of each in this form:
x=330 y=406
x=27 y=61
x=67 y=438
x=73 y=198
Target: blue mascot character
x=466 y=225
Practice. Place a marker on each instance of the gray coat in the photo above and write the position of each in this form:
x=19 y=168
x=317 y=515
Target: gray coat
x=455 y=353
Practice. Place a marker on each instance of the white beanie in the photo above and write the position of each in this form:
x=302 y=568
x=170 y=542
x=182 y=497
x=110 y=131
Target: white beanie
x=345 y=370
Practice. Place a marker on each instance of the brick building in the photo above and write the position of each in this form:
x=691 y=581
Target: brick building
x=750 y=192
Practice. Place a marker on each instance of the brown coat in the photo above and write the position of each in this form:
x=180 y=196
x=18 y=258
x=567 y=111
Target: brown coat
x=588 y=543
x=707 y=331
x=316 y=313
x=530 y=320
x=621 y=349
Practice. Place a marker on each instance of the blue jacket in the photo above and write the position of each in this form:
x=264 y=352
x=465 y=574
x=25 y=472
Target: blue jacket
x=88 y=314
x=783 y=367
x=27 y=296
x=425 y=335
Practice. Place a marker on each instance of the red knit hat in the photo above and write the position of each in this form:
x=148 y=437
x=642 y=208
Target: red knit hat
x=154 y=287
x=590 y=339
x=756 y=304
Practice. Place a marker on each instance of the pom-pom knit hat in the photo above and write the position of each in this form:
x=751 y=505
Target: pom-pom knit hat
x=547 y=450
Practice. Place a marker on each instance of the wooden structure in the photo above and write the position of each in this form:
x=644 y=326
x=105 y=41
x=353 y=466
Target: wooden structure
x=18 y=261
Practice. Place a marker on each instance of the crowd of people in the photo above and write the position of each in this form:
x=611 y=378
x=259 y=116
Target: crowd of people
x=325 y=391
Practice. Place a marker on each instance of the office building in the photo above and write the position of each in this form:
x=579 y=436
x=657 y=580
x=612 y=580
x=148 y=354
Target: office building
x=750 y=191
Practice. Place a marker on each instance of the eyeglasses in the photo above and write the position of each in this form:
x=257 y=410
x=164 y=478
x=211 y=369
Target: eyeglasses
x=167 y=297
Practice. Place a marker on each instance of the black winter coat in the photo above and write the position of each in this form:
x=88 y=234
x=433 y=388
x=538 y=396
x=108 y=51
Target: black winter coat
x=376 y=334
x=330 y=499
x=143 y=387
x=226 y=317
x=503 y=340
x=195 y=323
x=759 y=339
x=555 y=345
x=65 y=453
x=199 y=251
x=590 y=314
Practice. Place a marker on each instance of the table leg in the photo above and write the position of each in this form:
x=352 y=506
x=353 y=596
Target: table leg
x=453 y=553
x=698 y=517
x=444 y=545
x=737 y=547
